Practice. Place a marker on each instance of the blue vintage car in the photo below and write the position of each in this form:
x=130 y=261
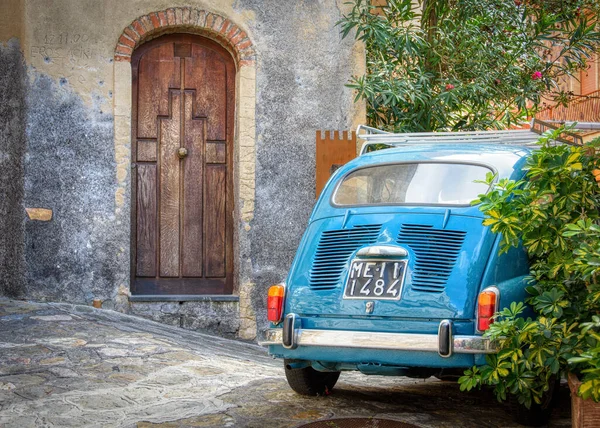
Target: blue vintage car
x=396 y=274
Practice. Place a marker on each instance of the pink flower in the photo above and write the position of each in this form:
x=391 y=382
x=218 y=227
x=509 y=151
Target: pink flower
x=449 y=86
x=537 y=75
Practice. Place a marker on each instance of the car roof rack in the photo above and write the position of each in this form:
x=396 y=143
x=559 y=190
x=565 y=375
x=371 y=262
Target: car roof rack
x=376 y=139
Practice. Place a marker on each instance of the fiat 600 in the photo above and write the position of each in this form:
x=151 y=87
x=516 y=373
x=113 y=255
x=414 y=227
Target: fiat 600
x=396 y=274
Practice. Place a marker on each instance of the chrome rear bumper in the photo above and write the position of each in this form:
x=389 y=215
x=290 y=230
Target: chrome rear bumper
x=444 y=343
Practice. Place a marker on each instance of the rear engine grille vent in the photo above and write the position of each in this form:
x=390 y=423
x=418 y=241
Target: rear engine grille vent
x=334 y=251
x=436 y=252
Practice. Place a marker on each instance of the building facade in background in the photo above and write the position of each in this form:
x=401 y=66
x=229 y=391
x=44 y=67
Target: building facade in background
x=584 y=103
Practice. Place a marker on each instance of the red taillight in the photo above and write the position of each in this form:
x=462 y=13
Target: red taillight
x=486 y=308
x=275 y=303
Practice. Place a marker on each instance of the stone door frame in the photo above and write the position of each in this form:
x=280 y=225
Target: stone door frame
x=237 y=41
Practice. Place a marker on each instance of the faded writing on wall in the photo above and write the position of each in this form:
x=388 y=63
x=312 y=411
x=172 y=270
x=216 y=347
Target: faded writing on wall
x=68 y=50
x=65 y=38
x=63 y=46
x=52 y=53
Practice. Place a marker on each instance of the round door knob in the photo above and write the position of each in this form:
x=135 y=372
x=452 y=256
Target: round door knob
x=182 y=152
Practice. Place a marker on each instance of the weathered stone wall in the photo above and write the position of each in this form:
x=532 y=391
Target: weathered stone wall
x=77 y=163
x=12 y=151
x=308 y=65
x=215 y=316
x=82 y=252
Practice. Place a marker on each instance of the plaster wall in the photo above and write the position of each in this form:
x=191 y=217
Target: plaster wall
x=11 y=19
x=77 y=160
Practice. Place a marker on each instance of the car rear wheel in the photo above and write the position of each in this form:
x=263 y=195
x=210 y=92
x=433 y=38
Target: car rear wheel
x=308 y=381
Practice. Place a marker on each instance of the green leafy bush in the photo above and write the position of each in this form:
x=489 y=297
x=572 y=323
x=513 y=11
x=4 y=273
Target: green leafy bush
x=467 y=64
x=553 y=213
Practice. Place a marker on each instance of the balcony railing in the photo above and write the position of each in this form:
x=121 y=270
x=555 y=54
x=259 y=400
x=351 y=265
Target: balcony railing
x=581 y=108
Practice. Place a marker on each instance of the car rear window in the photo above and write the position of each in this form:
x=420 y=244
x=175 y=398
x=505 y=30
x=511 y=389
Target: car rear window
x=412 y=183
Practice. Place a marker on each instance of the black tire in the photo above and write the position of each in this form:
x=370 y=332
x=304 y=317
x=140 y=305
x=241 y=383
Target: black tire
x=538 y=414
x=308 y=381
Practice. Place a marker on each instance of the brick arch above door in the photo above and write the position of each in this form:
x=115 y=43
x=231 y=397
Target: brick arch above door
x=180 y=19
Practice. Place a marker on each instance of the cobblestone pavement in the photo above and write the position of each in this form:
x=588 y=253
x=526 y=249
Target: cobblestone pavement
x=66 y=365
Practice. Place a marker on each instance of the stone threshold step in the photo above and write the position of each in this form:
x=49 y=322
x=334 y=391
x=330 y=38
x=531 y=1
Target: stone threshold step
x=183 y=298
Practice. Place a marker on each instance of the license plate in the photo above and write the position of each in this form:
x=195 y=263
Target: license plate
x=375 y=279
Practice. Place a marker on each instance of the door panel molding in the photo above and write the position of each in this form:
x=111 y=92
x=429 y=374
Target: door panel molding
x=189 y=235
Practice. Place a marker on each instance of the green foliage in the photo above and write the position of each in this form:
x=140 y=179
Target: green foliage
x=553 y=213
x=531 y=353
x=467 y=64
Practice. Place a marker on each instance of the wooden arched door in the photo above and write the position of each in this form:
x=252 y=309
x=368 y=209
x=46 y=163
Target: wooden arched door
x=182 y=150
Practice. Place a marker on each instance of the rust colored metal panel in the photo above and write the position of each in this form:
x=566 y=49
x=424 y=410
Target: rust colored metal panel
x=214 y=220
x=192 y=164
x=146 y=220
x=206 y=72
x=158 y=71
x=333 y=150
x=170 y=134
